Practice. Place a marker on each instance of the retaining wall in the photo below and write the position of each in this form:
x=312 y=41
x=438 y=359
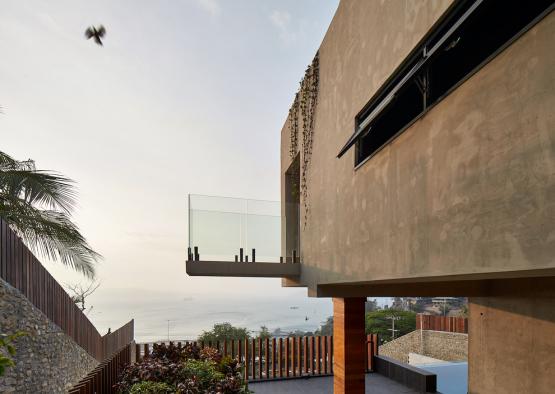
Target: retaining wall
x=447 y=346
x=47 y=360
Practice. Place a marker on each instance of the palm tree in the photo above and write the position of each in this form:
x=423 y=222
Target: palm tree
x=37 y=205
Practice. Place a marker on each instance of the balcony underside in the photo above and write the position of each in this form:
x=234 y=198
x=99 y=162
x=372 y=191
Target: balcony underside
x=242 y=269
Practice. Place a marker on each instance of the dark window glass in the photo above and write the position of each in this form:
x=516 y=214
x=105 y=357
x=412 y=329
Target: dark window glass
x=406 y=106
x=490 y=27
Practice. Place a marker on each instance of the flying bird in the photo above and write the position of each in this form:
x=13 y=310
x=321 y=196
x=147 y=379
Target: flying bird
x=95 y=32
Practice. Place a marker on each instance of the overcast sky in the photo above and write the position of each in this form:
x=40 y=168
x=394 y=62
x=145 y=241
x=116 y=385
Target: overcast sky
x=185 y=97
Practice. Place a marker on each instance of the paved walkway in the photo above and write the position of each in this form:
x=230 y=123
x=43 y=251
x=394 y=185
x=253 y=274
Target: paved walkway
x=375 y=384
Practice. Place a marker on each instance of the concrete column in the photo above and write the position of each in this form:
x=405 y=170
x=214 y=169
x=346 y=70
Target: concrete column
x=348 y=345
x=511 y=335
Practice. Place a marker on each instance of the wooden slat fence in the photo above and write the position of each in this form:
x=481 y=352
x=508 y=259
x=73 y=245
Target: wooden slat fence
x=442 y=323
x=278 y=358
x=105 y=375
x=21 y=269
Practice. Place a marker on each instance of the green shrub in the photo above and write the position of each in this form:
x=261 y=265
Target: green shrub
x=205 y=373
x=183 y=370
x=379 y=322
x=151 y=388
x=7 y=350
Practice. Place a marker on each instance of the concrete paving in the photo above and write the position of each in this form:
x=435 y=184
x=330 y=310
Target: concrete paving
x=375 y=384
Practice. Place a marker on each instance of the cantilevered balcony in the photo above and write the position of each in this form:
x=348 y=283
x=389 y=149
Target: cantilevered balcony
x=240 y=238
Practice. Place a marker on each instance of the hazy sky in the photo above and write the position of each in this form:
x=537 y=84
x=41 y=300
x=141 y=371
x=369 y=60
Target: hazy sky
x=185 y=97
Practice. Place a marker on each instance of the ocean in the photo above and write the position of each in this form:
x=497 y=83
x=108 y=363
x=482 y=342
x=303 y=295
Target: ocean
x=162 y=316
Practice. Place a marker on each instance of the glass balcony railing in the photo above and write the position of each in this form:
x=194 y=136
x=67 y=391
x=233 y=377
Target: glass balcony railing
x=220 y=227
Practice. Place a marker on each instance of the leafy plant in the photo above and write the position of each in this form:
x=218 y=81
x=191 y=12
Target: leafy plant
x=222 y=332
x=175 y=353
x=185 y=370
x=210 y=354
x=204 y=372
x=151 y=388
x=152 y=370
x=37 y=205
x=229 y=366
x=305 y=102
x=6 y=343
x=379 y=322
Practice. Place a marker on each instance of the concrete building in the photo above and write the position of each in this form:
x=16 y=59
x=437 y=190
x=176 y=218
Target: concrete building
x=420 y=150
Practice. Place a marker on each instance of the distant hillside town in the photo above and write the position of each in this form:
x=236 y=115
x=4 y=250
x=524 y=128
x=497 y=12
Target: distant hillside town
x=441 y=306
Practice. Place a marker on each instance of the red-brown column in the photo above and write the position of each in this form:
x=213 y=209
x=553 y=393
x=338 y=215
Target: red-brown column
x=348 y=345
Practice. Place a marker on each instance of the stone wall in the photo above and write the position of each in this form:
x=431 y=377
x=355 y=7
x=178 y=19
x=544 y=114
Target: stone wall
x=447 y=346
x=47 y=360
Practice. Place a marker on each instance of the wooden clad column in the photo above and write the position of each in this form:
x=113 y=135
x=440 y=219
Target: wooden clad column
x=349 y=345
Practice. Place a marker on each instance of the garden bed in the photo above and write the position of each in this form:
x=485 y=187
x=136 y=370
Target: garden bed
x=183 y=370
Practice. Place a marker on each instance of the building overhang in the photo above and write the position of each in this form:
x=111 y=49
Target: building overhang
x=460 y=285
x=243 y=269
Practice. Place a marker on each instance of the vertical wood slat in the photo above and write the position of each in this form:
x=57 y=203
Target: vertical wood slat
x=311 y=357
x=325 y=355
x=102 y=378
x=294 y=356
x=318 y=355
x=287 y=357
x=442 y=323
x=273 y=357
x=246 y=359
x=299 y=353
x=280 y=357
x=305 y=355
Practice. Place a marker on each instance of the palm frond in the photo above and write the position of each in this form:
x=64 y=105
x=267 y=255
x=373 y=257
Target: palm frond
x=53 y=235
x=38 y=187
x=37 y=206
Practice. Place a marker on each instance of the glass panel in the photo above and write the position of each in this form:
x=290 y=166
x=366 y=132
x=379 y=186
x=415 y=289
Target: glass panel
x=220 y=226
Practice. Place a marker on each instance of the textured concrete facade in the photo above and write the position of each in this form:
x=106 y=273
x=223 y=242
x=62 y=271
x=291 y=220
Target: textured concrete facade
x=47 y=360
x=512 y=338
x=446 y=346
x=466 y=190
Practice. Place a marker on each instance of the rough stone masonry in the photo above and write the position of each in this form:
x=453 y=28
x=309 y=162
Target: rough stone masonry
x=47 y=360
x=447 y=346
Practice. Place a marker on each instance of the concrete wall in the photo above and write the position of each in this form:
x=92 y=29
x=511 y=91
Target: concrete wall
x=467 y=189
x=512 y=338
x=47 y=360
x=446 y=346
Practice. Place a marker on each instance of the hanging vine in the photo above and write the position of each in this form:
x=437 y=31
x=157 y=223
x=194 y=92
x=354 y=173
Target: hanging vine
x=305 y=102
x=294 y=126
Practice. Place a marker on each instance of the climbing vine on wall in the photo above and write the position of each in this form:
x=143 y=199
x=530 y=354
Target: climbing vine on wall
x=304 y=105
